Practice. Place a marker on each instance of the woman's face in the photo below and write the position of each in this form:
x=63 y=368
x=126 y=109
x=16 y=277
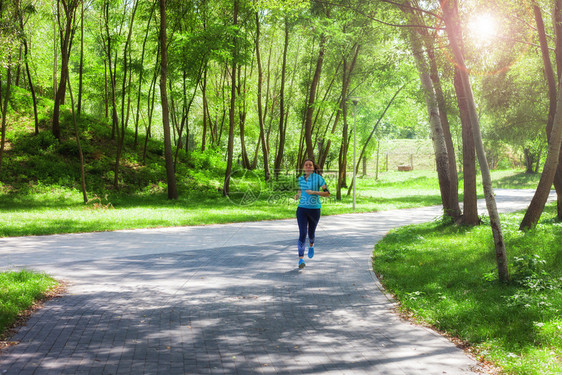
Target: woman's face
x=308 y=167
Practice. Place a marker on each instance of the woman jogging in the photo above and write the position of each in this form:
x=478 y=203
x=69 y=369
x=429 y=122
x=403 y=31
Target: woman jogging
x=312 y=186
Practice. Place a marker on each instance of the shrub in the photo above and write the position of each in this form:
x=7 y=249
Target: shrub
x=29 y=143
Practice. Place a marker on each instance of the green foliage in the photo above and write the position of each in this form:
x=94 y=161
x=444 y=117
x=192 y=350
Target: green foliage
x=210 y=160
x=445 y=275
x=31 y=144
x=18 y=292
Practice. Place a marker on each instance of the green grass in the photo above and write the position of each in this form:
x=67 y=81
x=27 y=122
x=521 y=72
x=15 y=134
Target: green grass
x=42 y=209
x=446 y=276
x=507 y=179
x=18 y=292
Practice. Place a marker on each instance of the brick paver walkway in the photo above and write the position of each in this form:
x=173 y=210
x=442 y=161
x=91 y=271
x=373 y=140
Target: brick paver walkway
x=224 y=299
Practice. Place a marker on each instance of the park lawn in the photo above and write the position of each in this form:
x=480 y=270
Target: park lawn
x=48 y=209
x=19 y=292
x=445 y=276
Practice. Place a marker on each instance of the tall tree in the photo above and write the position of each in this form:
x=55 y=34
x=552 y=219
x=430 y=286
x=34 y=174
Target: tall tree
x=7 y=51
x=312 y=98
x=470 y=204
x=449 y=200
x=66 y=26
x=454 y=34
x=126 y=73
x=81 y=66
x=141 y=71
x=552 y=91
x=230 y=150
x=4 y=107
x=536 y=207
x=429 y=43
x=265 y=151
x=282 y=122
x=27 y=58
x=170 y=172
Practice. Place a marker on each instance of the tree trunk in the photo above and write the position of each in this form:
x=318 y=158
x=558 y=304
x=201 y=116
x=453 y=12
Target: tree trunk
x=121 y=132
x=529 y=160
x=66 y=35
x=342 y=158
x=551 y=167
x=260 y=109
x=439 y=145
x=185 y=111
x=151 y=99
x=81 y=68
x=27 y=57
x=470 y=201
x=453 y=175
x=345 y=88
x=55 y=55
x=282 y=124
x=226 y=188
x=205 y=109
x=450 y=15
x=141 y=73
x=18 y=70
x=112 y=78
x=549 y=73
x=80 y=154
x=242 y=117
x=105 y=90
x=170 y=172
x=311 y=99
x=538 y=202
x=4 y=109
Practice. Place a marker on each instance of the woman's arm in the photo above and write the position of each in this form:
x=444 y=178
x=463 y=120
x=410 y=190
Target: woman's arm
x=324 y=193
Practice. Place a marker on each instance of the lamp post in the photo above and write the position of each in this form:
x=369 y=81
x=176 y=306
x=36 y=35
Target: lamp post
x=354 y=100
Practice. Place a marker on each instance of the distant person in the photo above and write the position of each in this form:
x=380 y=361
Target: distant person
x=312 y=186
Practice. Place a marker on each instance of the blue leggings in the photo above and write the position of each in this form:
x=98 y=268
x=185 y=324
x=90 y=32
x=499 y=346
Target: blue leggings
x=307 y=218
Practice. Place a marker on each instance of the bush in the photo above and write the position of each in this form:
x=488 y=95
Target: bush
x=210 y=159
x=29 y=143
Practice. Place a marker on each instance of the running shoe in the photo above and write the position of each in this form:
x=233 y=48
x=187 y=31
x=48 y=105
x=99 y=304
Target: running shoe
x=310 y=251
x=301 y=263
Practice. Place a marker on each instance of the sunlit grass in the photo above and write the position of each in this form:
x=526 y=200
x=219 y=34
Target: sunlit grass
x=446 y=276
x=43 y=209
x=18 y=292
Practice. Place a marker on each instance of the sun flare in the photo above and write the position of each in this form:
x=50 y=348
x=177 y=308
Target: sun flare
x=483 y=28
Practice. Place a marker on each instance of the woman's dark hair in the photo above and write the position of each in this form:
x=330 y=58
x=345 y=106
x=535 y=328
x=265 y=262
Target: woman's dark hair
x=316 y=167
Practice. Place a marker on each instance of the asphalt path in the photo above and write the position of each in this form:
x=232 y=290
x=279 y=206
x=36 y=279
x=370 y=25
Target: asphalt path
x=226 y=299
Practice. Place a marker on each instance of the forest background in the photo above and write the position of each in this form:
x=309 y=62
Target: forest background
x=148 y=106
x=271 y=73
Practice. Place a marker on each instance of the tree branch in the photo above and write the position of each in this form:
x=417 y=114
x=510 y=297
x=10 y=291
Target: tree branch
x=380 y=21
